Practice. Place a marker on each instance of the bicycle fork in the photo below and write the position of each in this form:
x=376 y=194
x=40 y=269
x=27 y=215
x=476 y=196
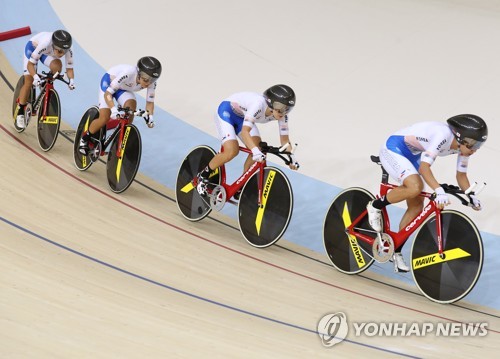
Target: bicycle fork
x=439 y=233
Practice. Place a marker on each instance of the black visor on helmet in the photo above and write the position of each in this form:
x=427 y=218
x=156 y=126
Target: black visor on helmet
x=470 y=143
x=146 y=77
x=281 y=108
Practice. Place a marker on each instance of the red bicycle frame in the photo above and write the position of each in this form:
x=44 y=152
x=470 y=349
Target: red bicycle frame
x=112 y=124
x=48 y=86
x=401 y=236
x=231 y=189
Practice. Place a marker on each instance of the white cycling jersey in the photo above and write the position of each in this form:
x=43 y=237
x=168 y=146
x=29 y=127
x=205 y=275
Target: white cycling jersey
x=403 y=151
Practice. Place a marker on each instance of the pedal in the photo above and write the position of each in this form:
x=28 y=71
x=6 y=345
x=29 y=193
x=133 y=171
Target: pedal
x=383 y=248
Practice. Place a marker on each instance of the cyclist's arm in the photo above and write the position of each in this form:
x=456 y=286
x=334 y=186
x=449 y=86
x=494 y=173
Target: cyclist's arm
x=246 y=137
x=463 y=180
x=70 y=73
x=108 y=97
x=284 y=139
x=69 y=63
x=31 y=68
x=427 y=175
x=150 y=107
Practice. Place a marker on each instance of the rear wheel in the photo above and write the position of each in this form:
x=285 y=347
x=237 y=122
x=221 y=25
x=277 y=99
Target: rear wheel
x=448 y=279
x=48 y=123
x=83 y=162
x=346 y=252
x=123 y=162
x=263 y=226
x=192 y=205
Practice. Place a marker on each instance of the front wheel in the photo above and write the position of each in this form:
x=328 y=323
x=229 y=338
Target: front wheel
x=49 y=122
x=263 y=225
x=192 y=205
x=123 y=162
x=346 y=252
x=450 y=278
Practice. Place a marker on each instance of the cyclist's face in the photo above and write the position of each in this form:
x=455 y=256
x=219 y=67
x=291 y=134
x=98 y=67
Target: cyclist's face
x=144 y=82
x=278 y=114
x=144 y=79
x=58 y=51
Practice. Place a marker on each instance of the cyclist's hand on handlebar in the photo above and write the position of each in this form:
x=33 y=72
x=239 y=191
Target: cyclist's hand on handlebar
x=257 y=155
x=149 y=119
x=115 y=113
x=442 y=198
x=36 y=80
x=476 y=203
x=71 y=84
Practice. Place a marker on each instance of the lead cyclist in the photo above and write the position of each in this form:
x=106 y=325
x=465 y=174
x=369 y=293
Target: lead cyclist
x=407 y=156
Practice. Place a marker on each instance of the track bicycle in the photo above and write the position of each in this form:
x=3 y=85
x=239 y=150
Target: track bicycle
x=124 y=154
x=447 y=252
x=46 y=106
x=265 y=202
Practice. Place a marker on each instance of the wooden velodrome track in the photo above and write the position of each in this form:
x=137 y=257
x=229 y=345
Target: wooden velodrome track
x=86 y=273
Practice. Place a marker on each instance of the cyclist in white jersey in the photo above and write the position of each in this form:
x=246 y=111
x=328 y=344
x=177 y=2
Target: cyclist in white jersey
x=120 y=83
x=49 y=48
x=237 y=116
x=408 y=155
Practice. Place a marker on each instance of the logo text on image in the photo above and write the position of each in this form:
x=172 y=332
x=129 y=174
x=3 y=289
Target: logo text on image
x=333 y=329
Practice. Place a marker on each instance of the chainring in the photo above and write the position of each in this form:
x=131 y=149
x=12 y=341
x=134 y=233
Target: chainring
x=383 y=248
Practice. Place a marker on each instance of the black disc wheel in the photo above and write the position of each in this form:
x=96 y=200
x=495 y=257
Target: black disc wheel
x=447 y=278
x=124 y=159
x=264 y=225
x=192 y=205
x=346 y=252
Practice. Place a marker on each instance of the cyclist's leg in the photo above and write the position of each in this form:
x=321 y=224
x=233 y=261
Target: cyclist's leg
x=230 y=150
x=28 y=79
x=129 y=102
x=224 y=123
x=54 y=64
x=104 y=115
x=24 y=93
x=254 y=132
x=84 y=160
x=404 y=171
